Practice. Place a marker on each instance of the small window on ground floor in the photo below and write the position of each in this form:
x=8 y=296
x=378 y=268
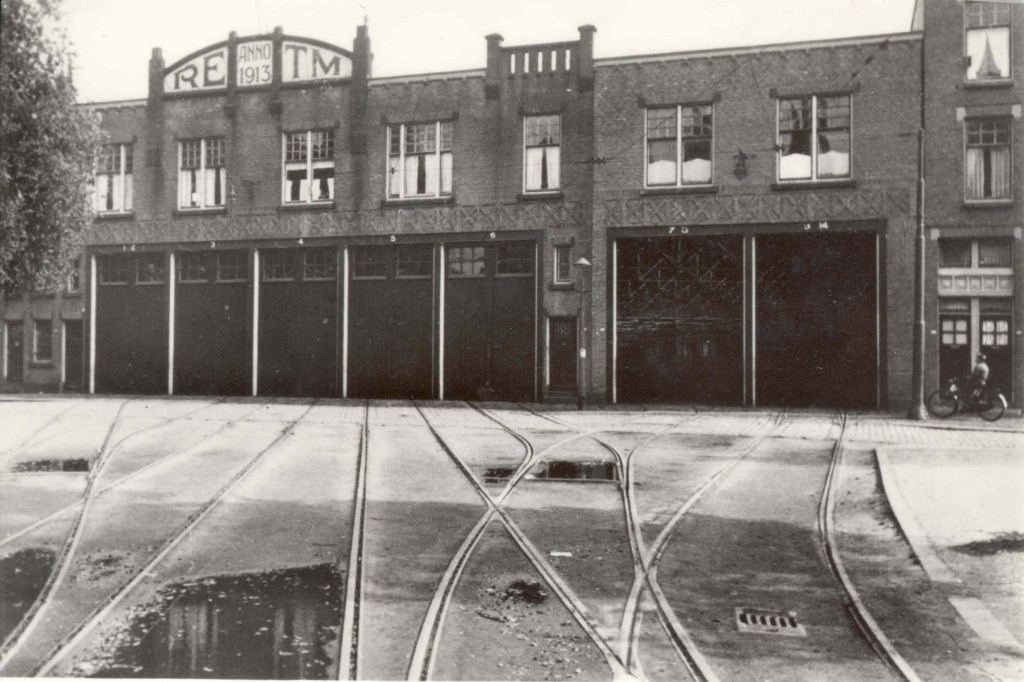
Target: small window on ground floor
x=42 y=341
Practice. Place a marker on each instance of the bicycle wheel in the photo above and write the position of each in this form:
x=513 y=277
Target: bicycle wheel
x=991 y=406
x=941 y=403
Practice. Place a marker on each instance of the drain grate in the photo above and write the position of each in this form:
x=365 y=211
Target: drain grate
x=759 y=621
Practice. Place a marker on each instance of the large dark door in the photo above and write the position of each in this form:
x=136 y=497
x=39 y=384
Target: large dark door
x=998 y=348
x=15 y=352
x=562 y=353
x=298 y=322
x=680 y=319
x=212 y=337
x=816 y=320
x=73 y=355
x=391 y=321
x=490 y=321
x=131 y=323
x=954 y=345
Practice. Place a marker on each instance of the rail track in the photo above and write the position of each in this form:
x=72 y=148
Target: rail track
x=33 y=437
x=348 y=651
x=77 y=633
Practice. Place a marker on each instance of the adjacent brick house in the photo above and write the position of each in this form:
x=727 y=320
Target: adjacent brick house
x=731 y=226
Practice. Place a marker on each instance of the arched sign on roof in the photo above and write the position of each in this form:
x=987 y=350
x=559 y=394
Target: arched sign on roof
x=301 y=60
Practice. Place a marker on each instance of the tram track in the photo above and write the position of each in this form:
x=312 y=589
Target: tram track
x=31 y=439
x=178 y=452
x=430 y=632
x=348 y=651
x=78 y=632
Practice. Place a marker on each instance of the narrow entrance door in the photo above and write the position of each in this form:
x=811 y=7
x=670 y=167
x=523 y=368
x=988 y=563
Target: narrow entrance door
x=562 y=353
x=954 y=346
x=15 y=352
x=995 y=344
x=73 y=358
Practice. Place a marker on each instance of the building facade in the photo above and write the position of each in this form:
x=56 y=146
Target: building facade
x=729 y=227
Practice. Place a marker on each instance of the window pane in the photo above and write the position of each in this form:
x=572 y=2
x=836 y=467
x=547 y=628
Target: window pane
x=795 y=161
x=515 y=259
x=215 y=186
x=466 y=261
x=319 y=263
x=543 y=130
x=696 y=121
x=214 y=153
x=278 y=265
x=149 y=268
x=563 y=264
x=191 y=154
x=296 y=186
x=661 y=162
x=995 y=253
x=414 y=261
x=420 y=138
x=542 y=168
x=113 y=269
x=323 y=181
x=369 y=262
x=295 y=147
x=954 y=253
x=833 y=153
x=661 y=124
x=989 y=53
x=697 y=161
x=43 y=340
x=323 y=145
x=110 y=159
x=232 y=266
x=192 y=267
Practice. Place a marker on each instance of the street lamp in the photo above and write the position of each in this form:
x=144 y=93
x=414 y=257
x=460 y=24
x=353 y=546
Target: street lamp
x=583 y=264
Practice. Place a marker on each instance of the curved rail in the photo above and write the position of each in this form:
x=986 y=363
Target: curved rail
x=15 y=450
x=79 y=632
x=855 y=606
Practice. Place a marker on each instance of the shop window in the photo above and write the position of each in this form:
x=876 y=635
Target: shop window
x=149 y=268
x=466 y=261
x=995 y=333
x=987 y=40
x=278 y=265
x=995 y=253
x=42 y=341
x=114 y=179
x=542 y=139
x=955 y=331
x=414 y=261
x=308 y=167
x=563 y=264
x=679 y=146
x=419 y=160
x=192 y=267
x=515 y=259
x=369 y=263
x=319 y=264
x=954 y=253
x=113 y=269
x=988 y=170
x=201 y=183
x=814 y=138
x=232 y=266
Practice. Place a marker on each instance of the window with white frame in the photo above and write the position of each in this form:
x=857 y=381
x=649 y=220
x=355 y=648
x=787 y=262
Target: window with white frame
x=987 y=167
x=114 y=179
x=201 y=182
x=563 y=264
x=42 y=341
x=987 y=40
x=814 y=137
x=679 y=145
x=420 y=160
x=542 y=139
x=308 y=167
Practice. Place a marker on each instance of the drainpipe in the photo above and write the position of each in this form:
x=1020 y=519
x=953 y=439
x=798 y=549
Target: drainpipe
x=917 y=409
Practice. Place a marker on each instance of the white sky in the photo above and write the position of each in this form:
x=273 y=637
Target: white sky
x=113 y=38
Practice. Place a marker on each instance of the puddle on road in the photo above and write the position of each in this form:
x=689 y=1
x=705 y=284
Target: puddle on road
x=282 y=625
x=575 y=471
x=22 y=576
x=78 y=464
x=529 y=591
x=1005 y=542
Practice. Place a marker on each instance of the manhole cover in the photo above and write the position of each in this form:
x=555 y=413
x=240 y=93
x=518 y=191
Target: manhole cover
x=763 y=622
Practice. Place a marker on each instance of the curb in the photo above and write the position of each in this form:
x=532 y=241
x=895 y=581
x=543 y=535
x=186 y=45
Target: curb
x=907 y=521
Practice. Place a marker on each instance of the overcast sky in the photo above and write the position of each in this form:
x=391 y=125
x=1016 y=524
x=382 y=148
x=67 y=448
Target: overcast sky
x=113 y=38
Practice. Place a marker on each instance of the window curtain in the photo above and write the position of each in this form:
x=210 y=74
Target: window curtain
x=214 y=187
x=999 y=158
x=989 y=50
x=421 y=174
x=997 y=169
x=542 y=168
x=189 y=189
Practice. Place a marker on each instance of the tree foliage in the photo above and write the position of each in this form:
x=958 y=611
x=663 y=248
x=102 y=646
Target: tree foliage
x=47 y=148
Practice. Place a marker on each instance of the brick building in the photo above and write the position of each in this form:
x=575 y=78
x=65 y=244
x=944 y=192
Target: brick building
x=731 y=226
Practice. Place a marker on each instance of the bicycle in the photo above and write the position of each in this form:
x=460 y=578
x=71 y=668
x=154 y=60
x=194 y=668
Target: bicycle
x=988 y=402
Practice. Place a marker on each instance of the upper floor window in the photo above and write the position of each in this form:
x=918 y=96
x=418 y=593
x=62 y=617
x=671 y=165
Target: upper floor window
x=987 y=40
x=679 y=146
x=814 y=138
x=202 y=179
x=988 y=171
x=308 y=167
x=420 y=160
x=114 y=179
x=542 y=139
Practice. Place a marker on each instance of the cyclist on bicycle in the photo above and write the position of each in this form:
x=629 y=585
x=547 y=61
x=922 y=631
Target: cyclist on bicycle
x=979 y=377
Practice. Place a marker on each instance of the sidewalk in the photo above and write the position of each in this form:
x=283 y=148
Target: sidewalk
x=962 y=510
